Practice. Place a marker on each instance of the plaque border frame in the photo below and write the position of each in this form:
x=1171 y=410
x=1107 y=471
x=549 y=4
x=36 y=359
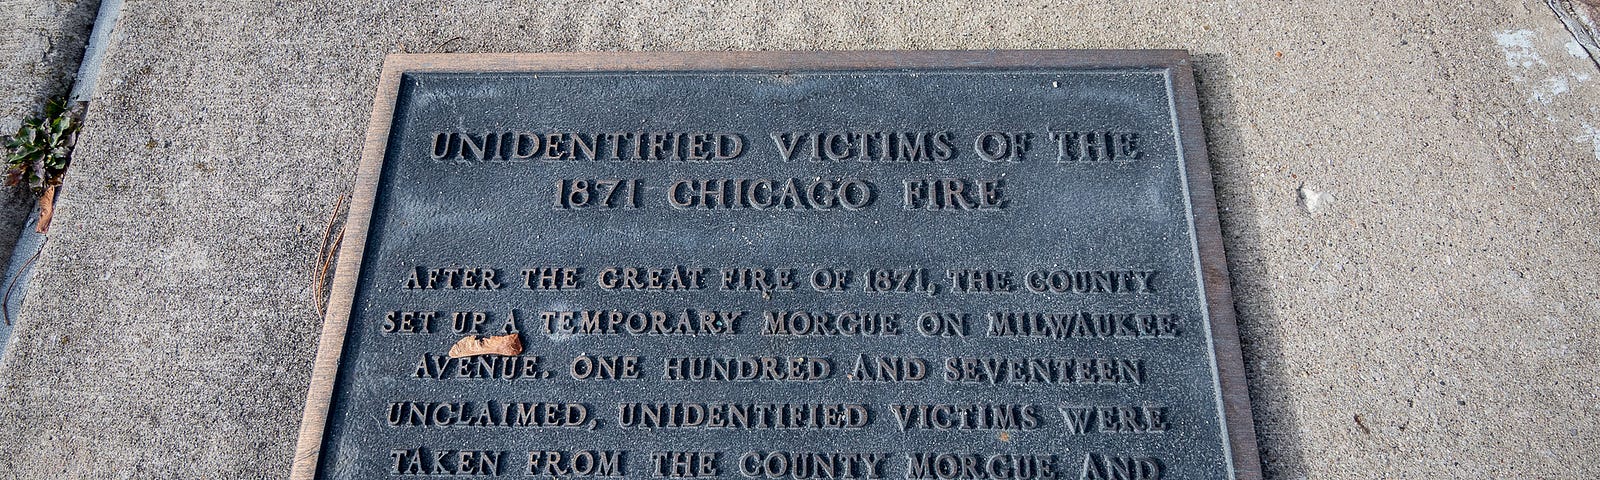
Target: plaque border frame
x=1233 y=393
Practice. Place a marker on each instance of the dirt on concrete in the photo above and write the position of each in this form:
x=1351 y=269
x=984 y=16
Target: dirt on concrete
x=1433 y=316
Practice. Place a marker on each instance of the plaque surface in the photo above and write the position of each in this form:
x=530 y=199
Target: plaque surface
x=864 y=265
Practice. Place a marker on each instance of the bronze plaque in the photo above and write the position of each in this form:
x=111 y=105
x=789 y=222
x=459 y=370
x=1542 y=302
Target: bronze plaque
x=920 y=265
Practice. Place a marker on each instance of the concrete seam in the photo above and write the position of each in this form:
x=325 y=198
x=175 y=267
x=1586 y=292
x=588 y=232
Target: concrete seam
x=1581 y=32
x=105 y=21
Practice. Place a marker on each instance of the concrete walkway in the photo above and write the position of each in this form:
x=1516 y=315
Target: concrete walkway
x=1408 y=193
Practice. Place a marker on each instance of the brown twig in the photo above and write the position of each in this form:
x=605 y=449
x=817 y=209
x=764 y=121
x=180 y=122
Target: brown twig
x=440 y=48
x=325 y=254
x=5 y=302
x=327 y=265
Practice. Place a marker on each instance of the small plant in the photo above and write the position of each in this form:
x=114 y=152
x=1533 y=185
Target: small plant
x=38 y=154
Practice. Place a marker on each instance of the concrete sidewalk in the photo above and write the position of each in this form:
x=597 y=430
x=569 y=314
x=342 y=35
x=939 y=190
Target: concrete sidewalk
x=1408 y=194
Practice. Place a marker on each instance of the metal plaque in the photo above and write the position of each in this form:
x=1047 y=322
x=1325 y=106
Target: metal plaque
x=935 y=265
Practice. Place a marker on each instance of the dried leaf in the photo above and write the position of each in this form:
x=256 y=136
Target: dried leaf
x=47 y=209
x=480 y=345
